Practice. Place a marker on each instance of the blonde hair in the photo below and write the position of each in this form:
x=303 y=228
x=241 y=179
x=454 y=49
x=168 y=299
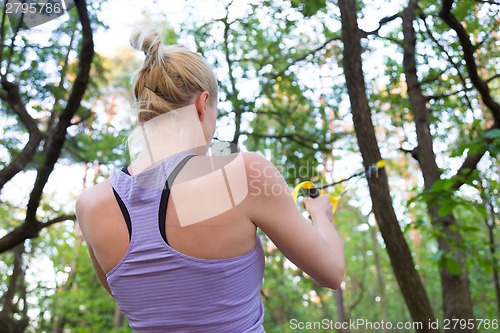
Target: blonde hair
x=169 y=77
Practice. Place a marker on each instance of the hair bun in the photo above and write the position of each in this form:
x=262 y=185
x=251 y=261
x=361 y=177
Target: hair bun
x=146 y=40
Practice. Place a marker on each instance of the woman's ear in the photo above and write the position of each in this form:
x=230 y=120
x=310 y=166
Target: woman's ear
x=201 y=104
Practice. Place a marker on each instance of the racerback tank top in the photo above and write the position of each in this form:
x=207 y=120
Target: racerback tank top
x=159 y=289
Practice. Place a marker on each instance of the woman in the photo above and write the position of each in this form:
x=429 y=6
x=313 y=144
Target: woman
x=172 y=237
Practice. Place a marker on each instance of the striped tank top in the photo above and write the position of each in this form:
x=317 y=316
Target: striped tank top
x=159 y=289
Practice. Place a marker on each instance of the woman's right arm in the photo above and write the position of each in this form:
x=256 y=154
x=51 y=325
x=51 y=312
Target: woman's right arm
x=87 y=211
x=315 y=247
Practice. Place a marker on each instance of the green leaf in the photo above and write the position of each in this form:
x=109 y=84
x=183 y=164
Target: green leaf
x=453 y=266
x=438 y=256
x=492 y=134
x=308 y=8
x=446 y=208
x=443 y=184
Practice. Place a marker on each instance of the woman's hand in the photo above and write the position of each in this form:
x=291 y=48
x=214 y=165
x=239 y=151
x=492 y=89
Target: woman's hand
x=319 y=206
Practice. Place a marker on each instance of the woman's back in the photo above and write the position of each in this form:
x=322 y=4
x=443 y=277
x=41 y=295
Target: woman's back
x=160 y=287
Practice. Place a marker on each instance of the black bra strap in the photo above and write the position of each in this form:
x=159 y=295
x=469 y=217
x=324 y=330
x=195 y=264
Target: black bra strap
x=125 y=213
x=125 y=170
x=162 y=213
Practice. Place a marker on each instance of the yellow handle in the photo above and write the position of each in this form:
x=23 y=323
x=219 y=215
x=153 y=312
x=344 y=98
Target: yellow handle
x=307 y=185
x=334 y=197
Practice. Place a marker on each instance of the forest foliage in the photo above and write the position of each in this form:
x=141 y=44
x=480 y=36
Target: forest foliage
x=323 y=89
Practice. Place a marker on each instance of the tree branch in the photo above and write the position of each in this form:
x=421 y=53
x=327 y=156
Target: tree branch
x=305 y=55
x=237 y=109
x=12 y=97
x=449 y=57
x=62 y=218
x=491 y=2
x=446 y=95
x=21 y=160
x=381 y=23
x=63 y=74
x=413 y=152
x=496 y=76
x=295 y=137
x=468 y=53
x=430 y=79
x=28 y=230
x=8 y=298
x=58 y=136
x=472 y=159
x=31 y=227
x=12 y=44
x=2 y=31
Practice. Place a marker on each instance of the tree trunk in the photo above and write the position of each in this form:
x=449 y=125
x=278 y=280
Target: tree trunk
x=408 y=176
x=401 y=260
x=117 y=318
x=457 y=302
x=339 y=304
x=490 y=225
x=494 y=262
x=380 y=276
x=12 y=319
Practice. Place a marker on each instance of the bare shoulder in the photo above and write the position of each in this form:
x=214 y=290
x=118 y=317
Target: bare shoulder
x=263 y=178
x=254 y=158
x=257 y=166
x=92 y=200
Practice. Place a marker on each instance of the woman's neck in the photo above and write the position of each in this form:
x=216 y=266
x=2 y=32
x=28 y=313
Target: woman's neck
x=166 y=135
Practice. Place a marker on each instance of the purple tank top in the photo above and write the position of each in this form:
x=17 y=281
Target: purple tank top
x=159 y=289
